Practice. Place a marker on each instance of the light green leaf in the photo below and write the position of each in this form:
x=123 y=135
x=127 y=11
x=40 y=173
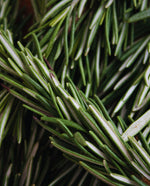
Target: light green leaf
x=11 y=50
x=136 y=126
x=122 y=179
x=110 y=131
x=53 y=10
x=140 y=150
x=4 y=118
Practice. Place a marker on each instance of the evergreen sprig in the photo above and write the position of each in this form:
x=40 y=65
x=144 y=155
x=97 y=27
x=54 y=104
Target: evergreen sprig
x=84 y=77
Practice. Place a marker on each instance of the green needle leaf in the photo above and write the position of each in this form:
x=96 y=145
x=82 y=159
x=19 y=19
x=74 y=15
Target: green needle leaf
x=61 y=16
x=68 y=123
x=140 y=150
x=10 y=49
x=63 y=108
x=121 y=38
x=81 y=7
x=98 y=174
x=97 y=17
x=140 y=16
x=4 y=118
x=136 y=126
x=122 y=179
x=135 y=55
x=37 y=44
x=53 y=10
x=52 y=40
x=110 y=131
x=74 y=154
x=109 y=3
x=80 y=139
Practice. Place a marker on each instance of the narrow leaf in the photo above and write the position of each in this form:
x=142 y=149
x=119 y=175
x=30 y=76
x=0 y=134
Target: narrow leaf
x=137 y=126
x=139 y=16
